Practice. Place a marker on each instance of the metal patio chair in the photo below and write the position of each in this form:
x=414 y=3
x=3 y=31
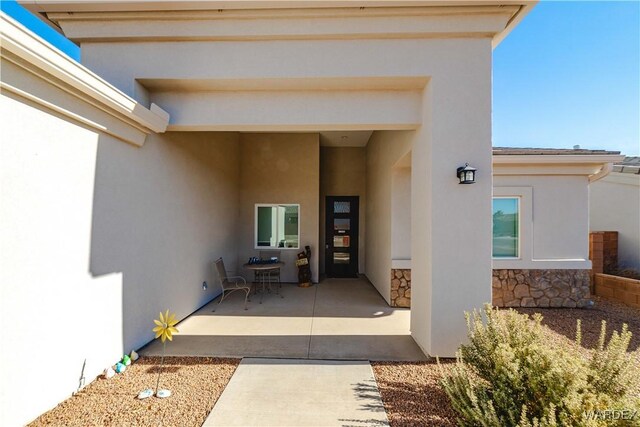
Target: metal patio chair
x=231 y=283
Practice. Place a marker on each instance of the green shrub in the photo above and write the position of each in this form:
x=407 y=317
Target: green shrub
x=510 y=374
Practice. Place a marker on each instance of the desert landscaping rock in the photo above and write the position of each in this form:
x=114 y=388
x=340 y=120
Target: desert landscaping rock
x=411 y=392
x=412 y=395
x=196 y=384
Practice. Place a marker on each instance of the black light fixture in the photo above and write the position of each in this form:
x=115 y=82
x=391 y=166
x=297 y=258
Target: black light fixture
x=466 y=174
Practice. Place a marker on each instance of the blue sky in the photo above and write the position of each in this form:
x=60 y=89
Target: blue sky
x=568 y=75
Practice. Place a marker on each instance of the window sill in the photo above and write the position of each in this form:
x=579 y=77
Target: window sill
x=274 y=248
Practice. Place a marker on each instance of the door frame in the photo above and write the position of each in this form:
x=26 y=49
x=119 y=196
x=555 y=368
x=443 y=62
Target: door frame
x=354 y=215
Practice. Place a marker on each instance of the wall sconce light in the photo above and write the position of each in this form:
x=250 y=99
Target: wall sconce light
x=466 y=174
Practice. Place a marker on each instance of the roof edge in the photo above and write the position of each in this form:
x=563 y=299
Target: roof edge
x=556 y=159
x=42 y=8
x=23 y=43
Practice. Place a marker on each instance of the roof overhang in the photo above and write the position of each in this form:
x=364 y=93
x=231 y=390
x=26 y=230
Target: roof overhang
x=593 y=166
x=57 y=13
x=32 y=54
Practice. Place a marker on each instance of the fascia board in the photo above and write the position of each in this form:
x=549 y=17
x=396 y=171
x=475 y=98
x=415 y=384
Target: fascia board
x=551 y=159
x=525 y=8
x=69 y=10
x=40 y=6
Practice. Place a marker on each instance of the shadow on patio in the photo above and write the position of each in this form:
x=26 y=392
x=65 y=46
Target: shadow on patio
x=336 y=319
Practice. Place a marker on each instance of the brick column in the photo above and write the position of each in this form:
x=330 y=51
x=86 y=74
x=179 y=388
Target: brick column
x=610 y=252
x=596 y=251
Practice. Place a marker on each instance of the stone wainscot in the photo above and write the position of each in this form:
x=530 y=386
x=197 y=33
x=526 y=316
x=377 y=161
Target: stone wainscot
x=541 y=288
x=401 y=288
x=516 y=288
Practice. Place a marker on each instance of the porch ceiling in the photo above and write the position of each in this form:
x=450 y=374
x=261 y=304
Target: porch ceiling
x=345 y=139
x=285 y=84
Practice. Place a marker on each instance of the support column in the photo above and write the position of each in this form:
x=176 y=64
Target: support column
x=451 y=223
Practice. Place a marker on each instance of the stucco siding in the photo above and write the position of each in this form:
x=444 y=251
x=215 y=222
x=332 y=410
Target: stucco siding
x=556 y=232
x=98 y=236
x=401 y=214
x=57 y=315
x=614 y=205
x=280 y=168
x=384 y=150
x=162 y=213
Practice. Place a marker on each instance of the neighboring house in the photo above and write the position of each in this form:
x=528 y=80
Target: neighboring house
x=614 y=205
x=543 y=260
x=217 y=129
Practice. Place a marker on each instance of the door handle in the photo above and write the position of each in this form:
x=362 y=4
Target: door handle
x=326 y=246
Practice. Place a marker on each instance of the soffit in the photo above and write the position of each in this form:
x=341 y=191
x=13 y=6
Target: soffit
x=290 y=84
x=345 y=139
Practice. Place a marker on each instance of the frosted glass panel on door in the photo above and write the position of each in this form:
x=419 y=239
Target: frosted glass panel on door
x=341 y=224
x=341 y=207
x=341 y=241
x=341 y=258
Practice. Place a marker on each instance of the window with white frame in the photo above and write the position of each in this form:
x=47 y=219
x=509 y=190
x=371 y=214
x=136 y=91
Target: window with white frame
x=277 y=226
x=506 y=227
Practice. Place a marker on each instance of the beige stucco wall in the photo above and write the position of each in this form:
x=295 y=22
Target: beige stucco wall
x=401 y=214
x=554 y=221
x=614 y=205
x=343 y=173
x=383 y=152
x=162 y=213
x=57 y=315
x=438 y=87
x=280 y=168
x=98 y=236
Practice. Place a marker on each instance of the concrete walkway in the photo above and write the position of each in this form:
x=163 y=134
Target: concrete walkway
x=286 y=392
x=337 y=319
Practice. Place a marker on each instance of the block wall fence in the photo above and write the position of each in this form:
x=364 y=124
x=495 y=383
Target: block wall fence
x=620 y=289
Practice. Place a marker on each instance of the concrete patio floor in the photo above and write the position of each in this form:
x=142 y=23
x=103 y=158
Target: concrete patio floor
x=337 y=319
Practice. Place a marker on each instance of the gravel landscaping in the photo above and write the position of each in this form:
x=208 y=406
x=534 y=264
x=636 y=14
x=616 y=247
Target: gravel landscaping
x=413 y=397
x=196 y=384
x=410 y=391
x=562 y=321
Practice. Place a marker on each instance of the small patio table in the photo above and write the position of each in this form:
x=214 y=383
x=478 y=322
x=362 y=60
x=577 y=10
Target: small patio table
x=264 y=267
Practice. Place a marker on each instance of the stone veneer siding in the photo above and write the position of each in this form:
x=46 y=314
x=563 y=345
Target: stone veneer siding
x=516 y=288
x=400 y=288
x=541 y=288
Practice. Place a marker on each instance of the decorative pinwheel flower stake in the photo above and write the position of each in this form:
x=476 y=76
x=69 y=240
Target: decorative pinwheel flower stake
x=165 y=328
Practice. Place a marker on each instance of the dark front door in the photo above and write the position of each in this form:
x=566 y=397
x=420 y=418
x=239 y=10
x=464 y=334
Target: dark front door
x=341 y=239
